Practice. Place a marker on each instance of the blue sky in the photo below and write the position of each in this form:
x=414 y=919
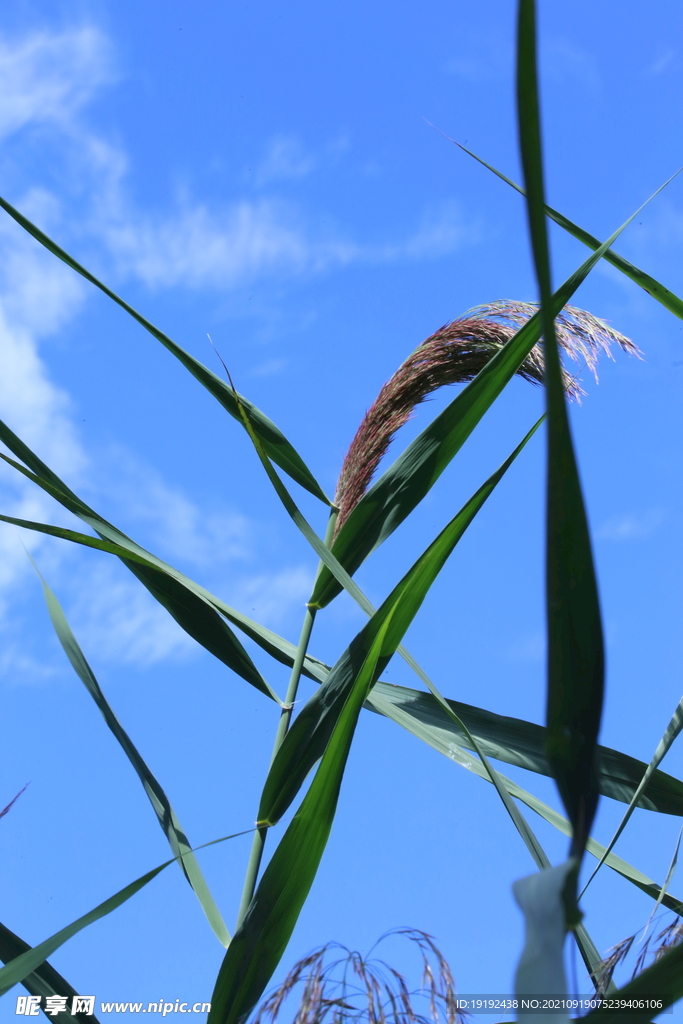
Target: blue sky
x=266 y=174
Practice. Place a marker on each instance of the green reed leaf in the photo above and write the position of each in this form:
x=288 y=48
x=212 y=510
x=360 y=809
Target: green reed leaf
x=44 y=981
x=26 y=963
x=279 y=648
x=29 y=961
x=262 y=937
x=575 y=645
x=311 y=730
x=458 y=755
x=276 y=444
x=405 y=483
x=654 y=288
x=190 y=608
x=161 y=805
x=520 y=743
x=672 y=730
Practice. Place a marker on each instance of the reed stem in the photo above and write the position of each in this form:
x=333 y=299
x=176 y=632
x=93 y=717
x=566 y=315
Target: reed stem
x=259 y=840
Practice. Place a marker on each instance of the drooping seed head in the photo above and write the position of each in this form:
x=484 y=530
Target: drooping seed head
x=454 y=355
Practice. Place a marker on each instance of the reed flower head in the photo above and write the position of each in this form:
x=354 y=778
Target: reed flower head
x=366 y=990
x=454 y=355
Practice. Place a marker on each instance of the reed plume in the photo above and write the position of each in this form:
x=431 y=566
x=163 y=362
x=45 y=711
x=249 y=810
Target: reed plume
x=454 y=355
x=358 y=989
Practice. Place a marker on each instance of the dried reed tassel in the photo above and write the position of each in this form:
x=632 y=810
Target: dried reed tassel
x=454 y=355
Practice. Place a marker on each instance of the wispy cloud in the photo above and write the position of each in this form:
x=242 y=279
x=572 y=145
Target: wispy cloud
x=181 y=528
x=49 y=76
x=631 y=525
x=440 y=232
x=201 y=248
x=659 y=66
x=529 y=649
x=272 y=597
x=564 y=63
x=116 y=620
x=286 y=158
x=481 y=57
x=47 y=80
x=270 y=368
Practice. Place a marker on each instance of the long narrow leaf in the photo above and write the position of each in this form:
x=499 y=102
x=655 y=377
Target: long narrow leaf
x=328 y=559
x=654 y=288
x=23 y=965
x=507 y=739
x=261 y=939
x=279 y=648
x=312 y=728
x=670 y=733
x=511 y=740
x=27 y=962
x=44 y=981
x=519 y=743
x=575 y=645
x=189 y=608
x=458 y=755
x=277 y=445
x=161 y=805
x=397 y=492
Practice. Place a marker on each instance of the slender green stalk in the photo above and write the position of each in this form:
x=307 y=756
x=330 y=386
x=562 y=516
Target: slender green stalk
x=259 y=840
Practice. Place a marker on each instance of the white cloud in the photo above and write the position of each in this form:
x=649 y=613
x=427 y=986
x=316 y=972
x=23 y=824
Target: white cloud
x=481 y=57
x=181 y=528
x=440 y=232
x=286 y=159
x=115 y=619
x=564 y=63
x=631 y=525
x=659 y=66
x=272 y=597
x=270 y=368
x=47 y=77
x=46 y=81
x=201 y=248
x=530 y=649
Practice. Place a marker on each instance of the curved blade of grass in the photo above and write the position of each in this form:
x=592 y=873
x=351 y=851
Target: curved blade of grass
x=671 y=732
x=654 y=288
x=262 y=937
x=27 y=962
x=401 y=488
x=517 y=742
x=268 y=925
x=462 y=757
x=575 y=644
x=311 y=730
x=508 y=739
x=274 y=441
x=667 y=881
x=327 y=557
x=23 y=965
x=260 y=942
x=191 y=610
x=161 y=805
x=279 y=648
x=44 y=981
x=587 y=948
